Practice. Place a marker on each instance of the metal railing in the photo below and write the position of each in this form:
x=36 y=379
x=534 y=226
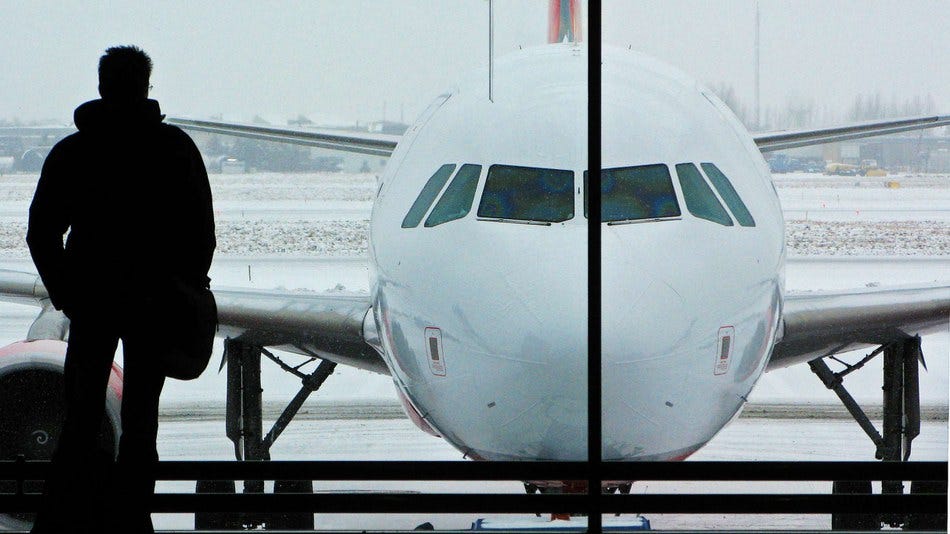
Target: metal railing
x=491 y=503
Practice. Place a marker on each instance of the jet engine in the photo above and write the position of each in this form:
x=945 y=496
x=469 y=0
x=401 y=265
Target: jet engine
x=32 y=410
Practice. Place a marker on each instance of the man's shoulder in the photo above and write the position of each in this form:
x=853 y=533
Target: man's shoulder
x=67 y=145
x=175 y=134
x=172 y=130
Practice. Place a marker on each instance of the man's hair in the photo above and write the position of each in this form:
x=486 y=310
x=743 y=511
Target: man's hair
x=124 y=72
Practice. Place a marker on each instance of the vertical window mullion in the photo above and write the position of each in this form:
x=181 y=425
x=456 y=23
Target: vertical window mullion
x=594 y=378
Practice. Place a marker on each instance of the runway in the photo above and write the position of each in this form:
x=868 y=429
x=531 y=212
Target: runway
x=826 y=198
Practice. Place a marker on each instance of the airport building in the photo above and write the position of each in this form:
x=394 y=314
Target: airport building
x=908 y=153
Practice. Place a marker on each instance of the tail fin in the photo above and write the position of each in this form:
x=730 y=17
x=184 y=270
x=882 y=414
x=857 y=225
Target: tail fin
x=564 y=21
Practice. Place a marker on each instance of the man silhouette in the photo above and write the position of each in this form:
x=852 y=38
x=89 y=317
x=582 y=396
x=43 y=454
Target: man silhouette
x=134 y=195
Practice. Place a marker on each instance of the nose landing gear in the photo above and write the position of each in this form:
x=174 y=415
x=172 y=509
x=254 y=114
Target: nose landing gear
x=570 y=522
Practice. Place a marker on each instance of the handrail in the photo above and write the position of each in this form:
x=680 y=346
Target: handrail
x=759 y=503
x=493 y=503
x=453 y=470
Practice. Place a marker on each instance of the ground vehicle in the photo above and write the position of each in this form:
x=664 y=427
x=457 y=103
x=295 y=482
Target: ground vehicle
x=842 y=169
x=782 y=163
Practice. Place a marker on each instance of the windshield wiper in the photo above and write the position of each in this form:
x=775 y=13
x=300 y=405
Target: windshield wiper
x=638 y=221
x=515 y=221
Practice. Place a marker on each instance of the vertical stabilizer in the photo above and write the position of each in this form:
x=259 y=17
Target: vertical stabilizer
x=564 y=21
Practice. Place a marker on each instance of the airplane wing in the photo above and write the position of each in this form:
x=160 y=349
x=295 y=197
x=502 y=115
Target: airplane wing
x=359 y=142
x=326 y=325
x=818 y=324
x=770 y=141
x=384 y=144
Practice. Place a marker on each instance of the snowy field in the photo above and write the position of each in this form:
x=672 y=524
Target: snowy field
x=309 y=232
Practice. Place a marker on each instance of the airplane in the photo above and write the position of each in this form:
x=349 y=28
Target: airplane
x=477 y=306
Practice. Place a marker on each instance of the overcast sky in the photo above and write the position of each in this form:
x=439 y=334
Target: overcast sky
x=340 y=61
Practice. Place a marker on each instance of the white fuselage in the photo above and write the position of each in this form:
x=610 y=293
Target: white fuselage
x=504 y=304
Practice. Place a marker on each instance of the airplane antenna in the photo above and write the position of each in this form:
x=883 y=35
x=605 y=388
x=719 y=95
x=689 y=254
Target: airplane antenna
x=491 y=50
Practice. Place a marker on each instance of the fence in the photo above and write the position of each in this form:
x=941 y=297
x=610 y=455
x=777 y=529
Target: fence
x=590 y=503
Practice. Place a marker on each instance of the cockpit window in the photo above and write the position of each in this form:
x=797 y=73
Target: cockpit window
x=527 y=194
x=456 y=202
x=635 y=193
x=700 y=199
x=728 y=194
x=427 y=196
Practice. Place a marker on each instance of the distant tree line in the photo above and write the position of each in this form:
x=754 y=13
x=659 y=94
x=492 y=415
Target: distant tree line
x=800 y=112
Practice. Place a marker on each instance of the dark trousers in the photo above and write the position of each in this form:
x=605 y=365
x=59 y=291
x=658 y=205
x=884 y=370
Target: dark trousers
x=87 y=491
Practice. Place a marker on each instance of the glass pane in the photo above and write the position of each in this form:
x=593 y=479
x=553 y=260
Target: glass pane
x=456 y=202
x=427 y=196
x=631 y=193
x=700 y=199
x=528 y=194
x=728 y=194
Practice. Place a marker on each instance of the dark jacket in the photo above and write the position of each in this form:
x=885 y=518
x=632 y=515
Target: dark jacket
x=134 y=195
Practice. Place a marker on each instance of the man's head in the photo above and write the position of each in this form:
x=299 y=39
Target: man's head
x=123 y=73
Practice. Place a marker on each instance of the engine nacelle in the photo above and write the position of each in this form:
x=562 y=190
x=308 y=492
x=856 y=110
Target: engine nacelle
x=32 y=409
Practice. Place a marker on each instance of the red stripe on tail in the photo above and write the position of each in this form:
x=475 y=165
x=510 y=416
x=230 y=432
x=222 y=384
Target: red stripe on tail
x=576 y=20
x=564 y=21
x=554 y=20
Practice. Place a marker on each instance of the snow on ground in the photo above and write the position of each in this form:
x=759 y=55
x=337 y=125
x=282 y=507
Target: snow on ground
x=303 y=186
x=15 y=187
x=879 y=238
x=326 y=238
x=255 y=186
x=13 y=240
x=902 y=179
x=249 y=238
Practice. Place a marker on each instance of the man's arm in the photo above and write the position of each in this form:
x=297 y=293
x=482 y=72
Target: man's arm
x=49 y=221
